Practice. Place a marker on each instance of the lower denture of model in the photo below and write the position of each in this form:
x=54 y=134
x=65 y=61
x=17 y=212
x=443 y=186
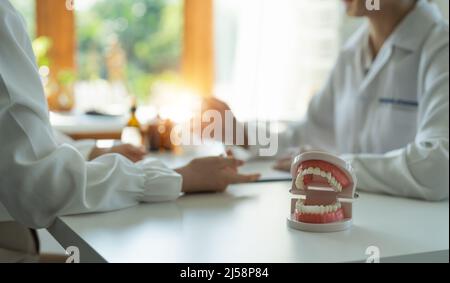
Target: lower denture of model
x=318 y=214
x=320 y=174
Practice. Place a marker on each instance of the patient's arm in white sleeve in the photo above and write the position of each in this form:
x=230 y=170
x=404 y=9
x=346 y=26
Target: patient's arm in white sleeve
x=39 y=179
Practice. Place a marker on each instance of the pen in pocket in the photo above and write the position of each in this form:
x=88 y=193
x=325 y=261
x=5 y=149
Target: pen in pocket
x=398 y=102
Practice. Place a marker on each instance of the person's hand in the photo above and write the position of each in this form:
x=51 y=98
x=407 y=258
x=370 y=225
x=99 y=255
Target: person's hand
x=285 y=162
x=213 y=174
x=214 y=104
x=131 y=152
x=217 y=105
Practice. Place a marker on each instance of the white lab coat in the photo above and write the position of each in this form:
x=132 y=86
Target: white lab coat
x=17 y=242
x=41 y=179
x=389 y=117
x=84 y=147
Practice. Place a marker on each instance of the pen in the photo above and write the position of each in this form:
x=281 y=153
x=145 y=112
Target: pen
x=398 y=102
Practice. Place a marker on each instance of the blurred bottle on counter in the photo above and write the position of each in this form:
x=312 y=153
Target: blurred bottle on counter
x=132 y=133
x=158 y=134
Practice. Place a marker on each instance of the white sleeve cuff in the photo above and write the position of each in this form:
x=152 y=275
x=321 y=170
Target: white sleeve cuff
x=160 y=183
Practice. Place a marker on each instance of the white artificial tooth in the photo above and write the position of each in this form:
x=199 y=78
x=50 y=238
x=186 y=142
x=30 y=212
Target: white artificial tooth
x=303 y=209
x=317 y=171
x=316 y=209
x=310 y=170
x=304 y=172
x=338 y=205
x=336 y=187
x=328 y=176
x=323 y=174
x=322 y=209
x=339 y=187
x=299 y=182
x=308 y=209
x=302 y=186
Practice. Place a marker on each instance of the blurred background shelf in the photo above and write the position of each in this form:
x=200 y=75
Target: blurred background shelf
x=83 y=126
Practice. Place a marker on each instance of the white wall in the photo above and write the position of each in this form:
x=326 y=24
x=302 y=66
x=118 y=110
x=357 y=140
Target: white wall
x=273 y=55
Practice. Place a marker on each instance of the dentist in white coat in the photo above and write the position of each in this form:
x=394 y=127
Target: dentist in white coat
x=41 y=179
x=385 y=107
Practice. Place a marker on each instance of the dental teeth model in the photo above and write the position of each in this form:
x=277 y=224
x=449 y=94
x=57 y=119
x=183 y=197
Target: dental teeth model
x=323 y=180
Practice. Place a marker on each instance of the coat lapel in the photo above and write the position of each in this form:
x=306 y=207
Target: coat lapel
x=381 y=61
x=408 y=36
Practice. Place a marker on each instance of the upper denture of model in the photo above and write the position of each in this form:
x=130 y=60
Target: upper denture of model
x=319 y=173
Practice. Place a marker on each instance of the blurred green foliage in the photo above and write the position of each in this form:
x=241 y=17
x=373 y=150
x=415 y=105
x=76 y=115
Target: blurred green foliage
x=41 y=46
x=149 y=31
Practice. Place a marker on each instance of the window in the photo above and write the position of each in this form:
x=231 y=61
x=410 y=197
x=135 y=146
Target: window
x=122 y=47
x=126 y=47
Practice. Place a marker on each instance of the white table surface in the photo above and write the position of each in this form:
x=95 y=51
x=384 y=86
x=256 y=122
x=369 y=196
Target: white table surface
x=248 y=224
x=187 y=153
